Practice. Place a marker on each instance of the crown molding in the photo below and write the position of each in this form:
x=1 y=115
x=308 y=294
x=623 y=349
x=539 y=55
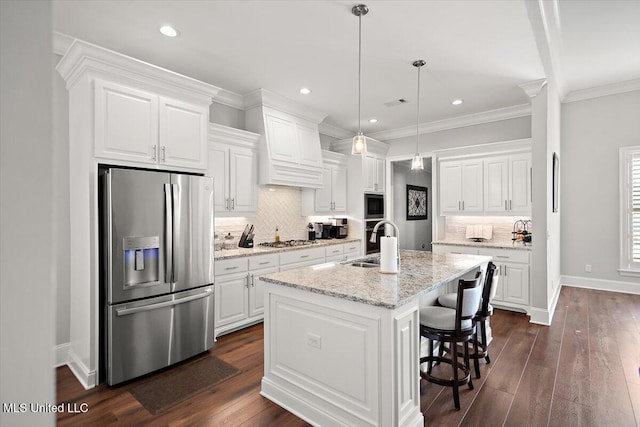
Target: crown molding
x=598 y=91
x=82 y=58
x=334 y=131
x=61 y=43
x=456 y=122
x=263 y=97
x=227 y=135
x=230 y=99
x=533 y=88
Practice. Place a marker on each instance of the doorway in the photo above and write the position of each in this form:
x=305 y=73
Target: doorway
x=415 y=234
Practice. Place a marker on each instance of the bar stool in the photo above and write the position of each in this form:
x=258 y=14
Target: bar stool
x=453 y=326
x=481 y=350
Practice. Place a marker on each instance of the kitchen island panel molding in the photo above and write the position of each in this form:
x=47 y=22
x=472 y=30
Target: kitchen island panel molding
x=338 y=362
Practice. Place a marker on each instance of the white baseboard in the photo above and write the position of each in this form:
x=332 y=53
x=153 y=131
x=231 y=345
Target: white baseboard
x=600 y=284
x=62 y=354
x=87 y=378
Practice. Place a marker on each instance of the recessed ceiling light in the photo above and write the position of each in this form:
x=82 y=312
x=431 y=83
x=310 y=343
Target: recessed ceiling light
x=168 y=31
x=373 y=120
x=305 y=91
x=457 y=102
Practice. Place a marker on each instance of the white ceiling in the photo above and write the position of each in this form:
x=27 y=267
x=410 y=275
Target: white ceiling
x=477 y=50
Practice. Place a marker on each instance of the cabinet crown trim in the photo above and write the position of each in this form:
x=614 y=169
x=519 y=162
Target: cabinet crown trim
x=82 y=57
x=265 y=98
x=220 y=134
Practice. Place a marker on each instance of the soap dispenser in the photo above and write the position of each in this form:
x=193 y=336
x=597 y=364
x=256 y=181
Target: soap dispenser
x=277 y=238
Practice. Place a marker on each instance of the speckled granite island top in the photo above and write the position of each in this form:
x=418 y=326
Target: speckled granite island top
x=420 y=272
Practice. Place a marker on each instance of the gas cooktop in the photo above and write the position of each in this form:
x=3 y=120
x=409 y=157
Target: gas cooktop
x=288 y=243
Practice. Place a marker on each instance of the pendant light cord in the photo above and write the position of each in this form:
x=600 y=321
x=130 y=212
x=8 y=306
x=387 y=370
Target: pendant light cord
x=359 y=71
x=418 y=113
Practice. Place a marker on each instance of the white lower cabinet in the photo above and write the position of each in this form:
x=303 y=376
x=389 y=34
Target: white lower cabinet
x=513 y=266
x=239 y=297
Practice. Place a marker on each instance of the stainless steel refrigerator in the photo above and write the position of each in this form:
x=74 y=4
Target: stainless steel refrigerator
x=156 y=269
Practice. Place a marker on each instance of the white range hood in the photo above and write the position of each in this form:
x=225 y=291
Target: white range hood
x=290 y=151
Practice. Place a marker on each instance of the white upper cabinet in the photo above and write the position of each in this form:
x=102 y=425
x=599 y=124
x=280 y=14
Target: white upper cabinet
x=290 y=152
x=183 y=133
x=233 y=164
x=137 y=126
x=374 y=168
x=332 y=197
x=508 y=184
x=134 y=113
x=126 y=123
x=460 y=187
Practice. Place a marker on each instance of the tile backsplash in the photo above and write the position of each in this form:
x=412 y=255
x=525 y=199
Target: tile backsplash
x=456 y=227
x=277 y=206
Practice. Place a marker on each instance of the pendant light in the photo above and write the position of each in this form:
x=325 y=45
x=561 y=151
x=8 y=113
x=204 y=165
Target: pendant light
x=359 y=144
x=416 y=163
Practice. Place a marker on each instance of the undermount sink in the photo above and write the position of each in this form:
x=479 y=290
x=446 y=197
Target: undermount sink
x=363 y=264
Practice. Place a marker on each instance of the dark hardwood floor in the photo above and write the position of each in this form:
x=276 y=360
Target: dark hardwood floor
x=583 y=370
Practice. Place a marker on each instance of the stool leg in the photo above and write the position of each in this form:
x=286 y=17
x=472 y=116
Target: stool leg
x=454 y=364
x=485 y=346
x=468 y=364
x=476 y=357
x=430 y=356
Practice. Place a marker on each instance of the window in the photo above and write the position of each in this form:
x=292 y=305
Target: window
x=630 y=211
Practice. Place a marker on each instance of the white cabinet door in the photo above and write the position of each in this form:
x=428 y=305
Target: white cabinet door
x=450 y=187
x=126 y=123
x=520 y=184
x=183 y=134
x=472 y=186
x=309 y=144
x=243 y=180
x=339 y=189
x=218 y=160
x=231 y=299
x=369 y=172
x=324 y=195
x=373 y=173
x=496 y=189
x=256 y=291
x=515 y=285
x=282 y=138
x=379 y=174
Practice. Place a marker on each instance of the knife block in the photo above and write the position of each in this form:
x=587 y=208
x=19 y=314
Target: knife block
x=247 y=243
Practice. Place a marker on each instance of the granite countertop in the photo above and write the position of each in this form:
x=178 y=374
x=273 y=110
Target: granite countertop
x=497 y=244
x=420 y=272
x=263 y=250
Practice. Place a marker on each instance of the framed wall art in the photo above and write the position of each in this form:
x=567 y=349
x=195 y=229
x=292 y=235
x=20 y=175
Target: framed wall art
x=416 y=202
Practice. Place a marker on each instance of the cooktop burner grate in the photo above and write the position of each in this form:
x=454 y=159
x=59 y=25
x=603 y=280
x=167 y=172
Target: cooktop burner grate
x=288 y=243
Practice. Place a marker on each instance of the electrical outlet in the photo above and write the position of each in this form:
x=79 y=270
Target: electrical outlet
x=314 y=340
x=587 y=268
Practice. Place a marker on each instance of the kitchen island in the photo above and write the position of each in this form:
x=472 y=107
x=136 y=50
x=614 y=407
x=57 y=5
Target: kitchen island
x=342 y=342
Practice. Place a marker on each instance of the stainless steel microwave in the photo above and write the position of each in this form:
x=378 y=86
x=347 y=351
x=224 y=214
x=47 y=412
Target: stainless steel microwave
x=373 y=206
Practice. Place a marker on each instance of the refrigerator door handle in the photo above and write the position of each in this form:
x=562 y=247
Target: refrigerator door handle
x=175 y=188
x=127 y=311
x=168 y=255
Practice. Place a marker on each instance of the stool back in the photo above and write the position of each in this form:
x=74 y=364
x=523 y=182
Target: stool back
x=487 y=289
x=469 y=294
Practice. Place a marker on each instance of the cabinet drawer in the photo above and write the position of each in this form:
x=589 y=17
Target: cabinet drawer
x=455 y=249
x=351 y=248
x=303 y=255
x=333 y=250
x=263 y=261
x=506 y=255
x=230 y=266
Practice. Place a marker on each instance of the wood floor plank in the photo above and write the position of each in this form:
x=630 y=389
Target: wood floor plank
x=566 y=413
x=488 y=397
x=532 y=401
x=505 y=374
